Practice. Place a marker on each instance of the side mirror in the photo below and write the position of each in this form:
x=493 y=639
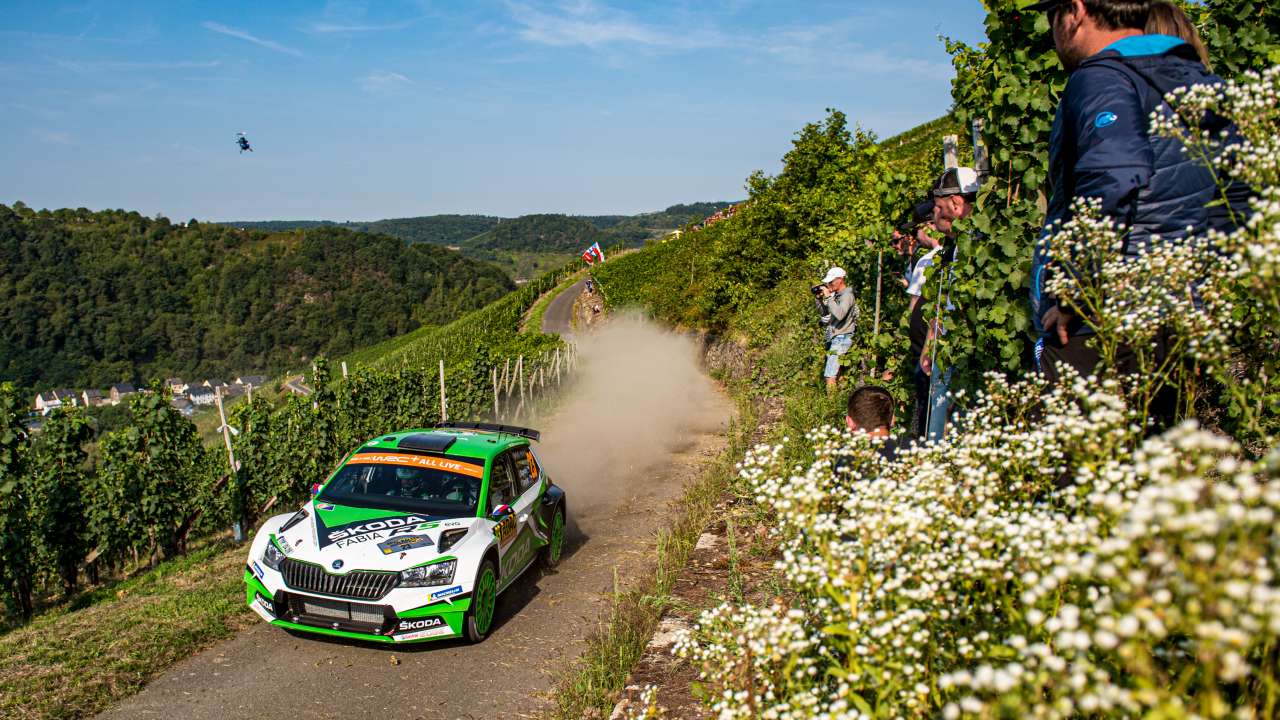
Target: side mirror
x=501 y=512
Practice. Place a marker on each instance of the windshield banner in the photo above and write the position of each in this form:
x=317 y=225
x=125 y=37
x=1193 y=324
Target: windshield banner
x=430 y=462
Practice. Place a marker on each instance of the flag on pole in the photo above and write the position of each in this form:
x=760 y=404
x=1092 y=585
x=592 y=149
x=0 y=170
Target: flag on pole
x=593 y=254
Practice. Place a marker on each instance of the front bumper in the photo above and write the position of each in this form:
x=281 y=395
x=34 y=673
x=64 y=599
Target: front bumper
x=352 y=618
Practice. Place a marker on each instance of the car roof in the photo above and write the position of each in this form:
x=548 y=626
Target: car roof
x=476 y=444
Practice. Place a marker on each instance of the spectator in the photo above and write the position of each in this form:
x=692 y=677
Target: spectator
x=837 y=300
x=915 y=279
x=1100 y=149
x=954 y=195
x=906 y=236
x=870 y=410
x=1166 y=18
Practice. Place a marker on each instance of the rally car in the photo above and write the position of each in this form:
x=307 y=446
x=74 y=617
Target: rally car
x=412 y=538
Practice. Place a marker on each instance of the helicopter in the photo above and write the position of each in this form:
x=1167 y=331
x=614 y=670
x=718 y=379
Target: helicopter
x=243 y=141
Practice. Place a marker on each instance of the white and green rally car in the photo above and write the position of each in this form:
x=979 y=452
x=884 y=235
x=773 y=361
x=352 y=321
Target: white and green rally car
x=411 y=538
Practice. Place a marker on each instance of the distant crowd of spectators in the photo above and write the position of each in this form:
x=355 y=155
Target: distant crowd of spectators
x=719 y=215
x=1124 y=58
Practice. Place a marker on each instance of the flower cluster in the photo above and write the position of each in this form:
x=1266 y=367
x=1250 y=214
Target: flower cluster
x=1048 y=559
x=1183 y=287
x=1037 y=564
x=1251 y=155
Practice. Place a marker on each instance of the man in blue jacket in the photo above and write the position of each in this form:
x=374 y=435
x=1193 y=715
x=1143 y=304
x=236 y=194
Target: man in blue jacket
x=1100 y=148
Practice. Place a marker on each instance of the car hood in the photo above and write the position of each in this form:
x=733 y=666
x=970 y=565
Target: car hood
x=341 y=538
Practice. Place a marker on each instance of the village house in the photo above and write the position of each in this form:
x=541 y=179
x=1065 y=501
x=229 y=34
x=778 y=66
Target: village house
x=47 y=402
x=252 y=381
x=120 y=391
x=182 y=405
x=176 y=386
x=93 y=398
x=213 y=383
x=200 y=395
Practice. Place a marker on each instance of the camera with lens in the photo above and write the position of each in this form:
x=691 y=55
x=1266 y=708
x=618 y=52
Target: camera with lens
x=817 y=289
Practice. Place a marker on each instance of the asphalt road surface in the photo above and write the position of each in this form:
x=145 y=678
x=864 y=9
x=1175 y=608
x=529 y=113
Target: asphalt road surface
x=556 y=320
x=640 y=422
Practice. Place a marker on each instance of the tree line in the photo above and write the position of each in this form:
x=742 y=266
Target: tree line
x=78 y=506
x=88 y=299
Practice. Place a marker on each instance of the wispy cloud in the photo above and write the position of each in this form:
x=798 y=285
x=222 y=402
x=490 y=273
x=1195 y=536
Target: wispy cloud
x=828 y=47
x=326 y=28
x=81 y=66
x=591 y=25
x=248 y=37
x=54 y=137
x=380 y=81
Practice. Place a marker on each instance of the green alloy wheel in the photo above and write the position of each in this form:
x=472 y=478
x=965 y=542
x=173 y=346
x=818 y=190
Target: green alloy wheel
x=554 y=548
x=483 y=601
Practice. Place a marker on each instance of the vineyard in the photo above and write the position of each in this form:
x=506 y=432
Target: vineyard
x=1055 y=555
x=73 y=509
x=1062 y=552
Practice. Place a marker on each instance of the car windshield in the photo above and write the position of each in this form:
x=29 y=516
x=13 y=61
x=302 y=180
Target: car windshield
x=407 y=483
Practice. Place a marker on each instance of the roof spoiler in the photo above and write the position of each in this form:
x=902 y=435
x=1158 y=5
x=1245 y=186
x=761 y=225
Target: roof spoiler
x=493 y=427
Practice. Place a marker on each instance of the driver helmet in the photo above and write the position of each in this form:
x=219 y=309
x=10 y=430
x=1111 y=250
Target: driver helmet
x=406 y=475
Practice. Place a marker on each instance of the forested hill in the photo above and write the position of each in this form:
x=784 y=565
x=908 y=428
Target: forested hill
x=538 y=233
x=434 y=229
x=476 y=232
x=93 y=298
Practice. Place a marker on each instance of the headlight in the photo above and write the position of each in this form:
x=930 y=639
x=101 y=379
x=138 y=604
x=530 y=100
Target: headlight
x=271 y=556
x=440 y=573
x=449 y=538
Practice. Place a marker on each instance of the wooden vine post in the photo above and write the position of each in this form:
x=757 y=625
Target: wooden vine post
x=950 y=151
x=879 y=268
x=520 y=376
x=493 y=379
x=237 y=487
x=444 y=410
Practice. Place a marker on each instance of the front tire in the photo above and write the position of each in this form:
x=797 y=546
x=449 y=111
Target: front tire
x=554 y=549
x=484 y=600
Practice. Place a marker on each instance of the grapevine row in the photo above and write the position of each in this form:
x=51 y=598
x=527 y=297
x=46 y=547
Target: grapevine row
x=73 y=508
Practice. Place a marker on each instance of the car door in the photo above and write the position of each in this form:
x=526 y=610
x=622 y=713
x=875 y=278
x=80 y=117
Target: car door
x=525 y=498
x=502 y=493
x=529 y=486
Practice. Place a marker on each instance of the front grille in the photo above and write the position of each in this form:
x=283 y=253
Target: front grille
x=357 y=584
x=336 y=614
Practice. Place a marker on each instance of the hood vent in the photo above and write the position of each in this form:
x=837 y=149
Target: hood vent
x=430 y=442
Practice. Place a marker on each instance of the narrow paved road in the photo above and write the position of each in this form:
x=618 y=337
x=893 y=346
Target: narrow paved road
x=557 y=319
x=640 y=422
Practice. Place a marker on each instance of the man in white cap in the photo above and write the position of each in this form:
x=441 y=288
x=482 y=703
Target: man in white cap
x=838 y=301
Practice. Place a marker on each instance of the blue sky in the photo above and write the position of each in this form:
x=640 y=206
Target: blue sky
x=365 y=110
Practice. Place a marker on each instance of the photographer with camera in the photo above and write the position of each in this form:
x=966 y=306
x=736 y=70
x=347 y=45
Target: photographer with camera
x=839 y=313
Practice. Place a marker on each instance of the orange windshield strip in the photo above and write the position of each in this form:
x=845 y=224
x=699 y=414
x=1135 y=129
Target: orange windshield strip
x=421 y=461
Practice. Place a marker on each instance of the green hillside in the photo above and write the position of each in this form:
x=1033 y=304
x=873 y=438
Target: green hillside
x=525 y=246
x=545 y=233
x=88 y=299
x=433 y=229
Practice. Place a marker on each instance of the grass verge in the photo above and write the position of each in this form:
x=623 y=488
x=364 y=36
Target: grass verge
x=589 y=688
x=77 y=660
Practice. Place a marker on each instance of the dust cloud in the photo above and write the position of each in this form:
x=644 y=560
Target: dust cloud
x=638 y=396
